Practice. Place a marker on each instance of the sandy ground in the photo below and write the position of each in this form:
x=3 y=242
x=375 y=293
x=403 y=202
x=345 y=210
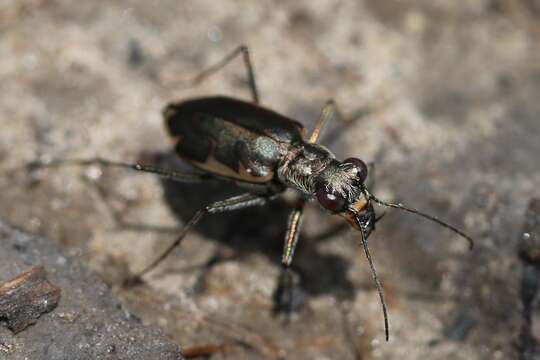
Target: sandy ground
x=453 y=129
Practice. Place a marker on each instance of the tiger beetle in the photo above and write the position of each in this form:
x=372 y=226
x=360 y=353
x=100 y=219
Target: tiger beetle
x=265 y=153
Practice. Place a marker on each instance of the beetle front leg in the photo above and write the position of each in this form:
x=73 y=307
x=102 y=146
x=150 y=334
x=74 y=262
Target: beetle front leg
x=293 y=233
x=346 y=121
x=285 y=298
x=330 y=111
x=327 y=113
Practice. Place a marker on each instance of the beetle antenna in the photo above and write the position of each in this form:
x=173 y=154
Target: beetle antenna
x=422 y=214
x=376 y=279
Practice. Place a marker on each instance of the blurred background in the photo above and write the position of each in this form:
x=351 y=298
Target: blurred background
x=449 y=95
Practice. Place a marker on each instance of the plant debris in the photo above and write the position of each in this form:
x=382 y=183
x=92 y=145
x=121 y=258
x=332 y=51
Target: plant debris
x=27 y=296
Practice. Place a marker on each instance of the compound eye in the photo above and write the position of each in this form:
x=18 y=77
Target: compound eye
x=361 y=166
x=330 y=201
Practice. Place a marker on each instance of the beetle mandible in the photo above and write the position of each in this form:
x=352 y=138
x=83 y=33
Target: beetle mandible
x=265 y=153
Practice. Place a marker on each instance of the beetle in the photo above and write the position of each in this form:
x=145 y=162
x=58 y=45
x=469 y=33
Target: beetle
x=265 y=153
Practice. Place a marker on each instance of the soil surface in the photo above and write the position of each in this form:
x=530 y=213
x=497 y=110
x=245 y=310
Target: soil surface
x=449 y=91
x=87 y=323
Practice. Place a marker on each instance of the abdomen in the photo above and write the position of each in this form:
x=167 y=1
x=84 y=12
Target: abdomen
x=228 y=137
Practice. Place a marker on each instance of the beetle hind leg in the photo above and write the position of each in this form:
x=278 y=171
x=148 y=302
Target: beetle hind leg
x=166 y=173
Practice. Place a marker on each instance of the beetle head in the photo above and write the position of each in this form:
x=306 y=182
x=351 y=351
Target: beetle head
x=340 y=189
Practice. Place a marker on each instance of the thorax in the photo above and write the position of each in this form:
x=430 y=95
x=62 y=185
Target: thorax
x=301 y=166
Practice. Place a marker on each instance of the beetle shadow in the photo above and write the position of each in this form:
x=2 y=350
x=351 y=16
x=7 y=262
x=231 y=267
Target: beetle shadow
x=259 y=229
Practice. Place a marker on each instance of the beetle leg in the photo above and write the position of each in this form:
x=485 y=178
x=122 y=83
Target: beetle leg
x=284 y=296
x=170 y=174
x=347 y=121
x=233 y=203
x=242 y=49
x=293 y=233
x=326 y=114
x=331 y=110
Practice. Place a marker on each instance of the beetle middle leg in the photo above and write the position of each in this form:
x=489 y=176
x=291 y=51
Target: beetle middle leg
x=233 y=203
x=242 y=49
x=285 y=297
